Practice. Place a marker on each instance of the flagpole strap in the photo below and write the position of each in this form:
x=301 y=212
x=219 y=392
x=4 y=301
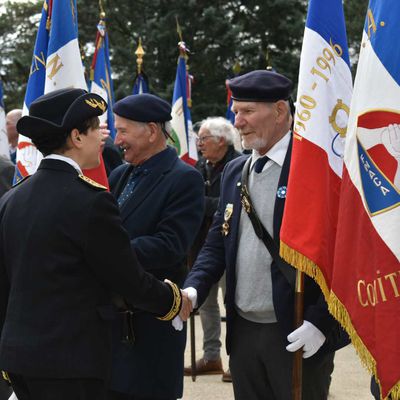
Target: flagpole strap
x=286 y=269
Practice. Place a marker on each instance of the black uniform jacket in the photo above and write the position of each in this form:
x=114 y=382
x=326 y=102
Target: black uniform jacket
x=62 y=252
x=219 y=253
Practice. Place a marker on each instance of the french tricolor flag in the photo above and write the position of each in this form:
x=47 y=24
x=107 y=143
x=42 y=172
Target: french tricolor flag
x=322 y=108
x=366 y=280
x=56 y=64
x=182 y=130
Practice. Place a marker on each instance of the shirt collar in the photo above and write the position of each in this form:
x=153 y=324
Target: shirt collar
x=277 y=153
x=68 y=160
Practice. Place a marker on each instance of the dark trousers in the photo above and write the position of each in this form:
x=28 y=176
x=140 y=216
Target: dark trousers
x=122 y=396
x=27 y=388
x=261 y=367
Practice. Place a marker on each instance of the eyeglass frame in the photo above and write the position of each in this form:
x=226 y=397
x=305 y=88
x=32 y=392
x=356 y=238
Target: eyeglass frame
x=201 y=139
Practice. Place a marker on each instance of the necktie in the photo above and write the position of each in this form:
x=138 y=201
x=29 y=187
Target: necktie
x=259 y=164
x=129 y=187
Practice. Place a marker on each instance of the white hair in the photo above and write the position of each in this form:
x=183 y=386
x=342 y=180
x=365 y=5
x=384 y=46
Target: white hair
x=220 y=127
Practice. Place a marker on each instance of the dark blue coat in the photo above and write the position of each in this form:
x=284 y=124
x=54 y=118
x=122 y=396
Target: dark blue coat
x=162 y=218
x=219 y=253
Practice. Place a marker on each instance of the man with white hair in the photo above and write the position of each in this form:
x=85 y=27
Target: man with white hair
x=215 y=142
x=243 y=241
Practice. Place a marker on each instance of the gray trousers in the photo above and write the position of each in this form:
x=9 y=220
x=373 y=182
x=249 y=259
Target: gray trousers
x=210 y=317
x=261 y=367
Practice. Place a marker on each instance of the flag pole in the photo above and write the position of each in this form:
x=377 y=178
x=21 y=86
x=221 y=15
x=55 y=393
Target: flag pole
x=297 y=372
x=183 y=53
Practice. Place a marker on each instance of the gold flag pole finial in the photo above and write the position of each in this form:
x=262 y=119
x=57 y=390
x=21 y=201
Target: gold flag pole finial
x=179 y=29
x=236 y=68
x=102 y=12
x=269 y=66
x=139 y=54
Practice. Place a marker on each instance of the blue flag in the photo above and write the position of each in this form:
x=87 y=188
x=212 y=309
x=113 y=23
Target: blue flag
x=100 y=75
x=141 y=84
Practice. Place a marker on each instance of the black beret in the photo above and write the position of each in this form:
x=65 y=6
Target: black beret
x=260 y=85
x=57 y=113
x=143 y=108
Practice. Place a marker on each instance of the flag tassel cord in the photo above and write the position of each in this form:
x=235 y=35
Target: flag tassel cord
x=337 y=309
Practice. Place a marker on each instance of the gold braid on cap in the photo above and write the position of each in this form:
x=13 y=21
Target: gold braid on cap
x=176 y=305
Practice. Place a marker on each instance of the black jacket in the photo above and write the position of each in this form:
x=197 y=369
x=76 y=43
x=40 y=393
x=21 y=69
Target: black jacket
x=62 y=252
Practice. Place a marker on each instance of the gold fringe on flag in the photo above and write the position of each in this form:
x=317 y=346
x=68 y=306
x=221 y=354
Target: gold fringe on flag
x=304 y=264
x=338 y=310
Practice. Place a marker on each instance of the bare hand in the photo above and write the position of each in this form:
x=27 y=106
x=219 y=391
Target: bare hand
x=187 y=307
x=105 y=133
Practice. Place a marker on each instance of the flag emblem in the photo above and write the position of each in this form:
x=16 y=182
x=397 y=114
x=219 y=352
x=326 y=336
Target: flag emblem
x=378 y=146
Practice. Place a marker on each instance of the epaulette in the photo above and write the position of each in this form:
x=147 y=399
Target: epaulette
x=20 y=181
x=92 y=183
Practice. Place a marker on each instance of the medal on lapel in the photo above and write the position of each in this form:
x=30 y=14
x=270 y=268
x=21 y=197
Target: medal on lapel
x=281 y=192
x=227 y=216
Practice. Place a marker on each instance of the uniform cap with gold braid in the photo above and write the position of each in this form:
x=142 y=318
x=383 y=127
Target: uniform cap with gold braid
x=58 y=112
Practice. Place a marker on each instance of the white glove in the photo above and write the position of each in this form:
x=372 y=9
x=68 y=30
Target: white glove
x=307 y=336
x=177 y=322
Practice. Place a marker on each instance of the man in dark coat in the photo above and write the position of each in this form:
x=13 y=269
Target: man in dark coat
x=259 y=292
x=161 y=201
x=215 y=143
x=63 y=252
x=6 y=174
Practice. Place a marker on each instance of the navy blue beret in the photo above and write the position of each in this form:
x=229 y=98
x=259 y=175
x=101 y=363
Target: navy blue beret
x=260 y=85
x=143 y=108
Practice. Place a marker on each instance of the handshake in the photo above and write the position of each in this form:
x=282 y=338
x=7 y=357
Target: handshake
x=189 y=302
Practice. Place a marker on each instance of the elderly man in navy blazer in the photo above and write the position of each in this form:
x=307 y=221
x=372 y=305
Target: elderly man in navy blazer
x=162 y=204
x=259 y=290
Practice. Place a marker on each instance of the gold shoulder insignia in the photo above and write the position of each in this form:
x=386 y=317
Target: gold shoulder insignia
x=20 y=180
x=92 y=183
x=96 y=104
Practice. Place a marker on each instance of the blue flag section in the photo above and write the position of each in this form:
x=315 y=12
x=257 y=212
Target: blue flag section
x=326 y=18
x=100 y=75
x=37 y=75
x=141 y=84
x=384 y=16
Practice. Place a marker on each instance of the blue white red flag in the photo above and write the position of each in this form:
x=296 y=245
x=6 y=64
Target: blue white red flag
x=183 y=134
x=324 y=94
x=230 y=115
x=366 y=280
x=100 y=75
x=56 y=64
x=4 y=148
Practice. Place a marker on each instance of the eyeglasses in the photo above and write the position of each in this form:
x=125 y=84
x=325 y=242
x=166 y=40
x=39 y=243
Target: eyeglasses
x=203 y=138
